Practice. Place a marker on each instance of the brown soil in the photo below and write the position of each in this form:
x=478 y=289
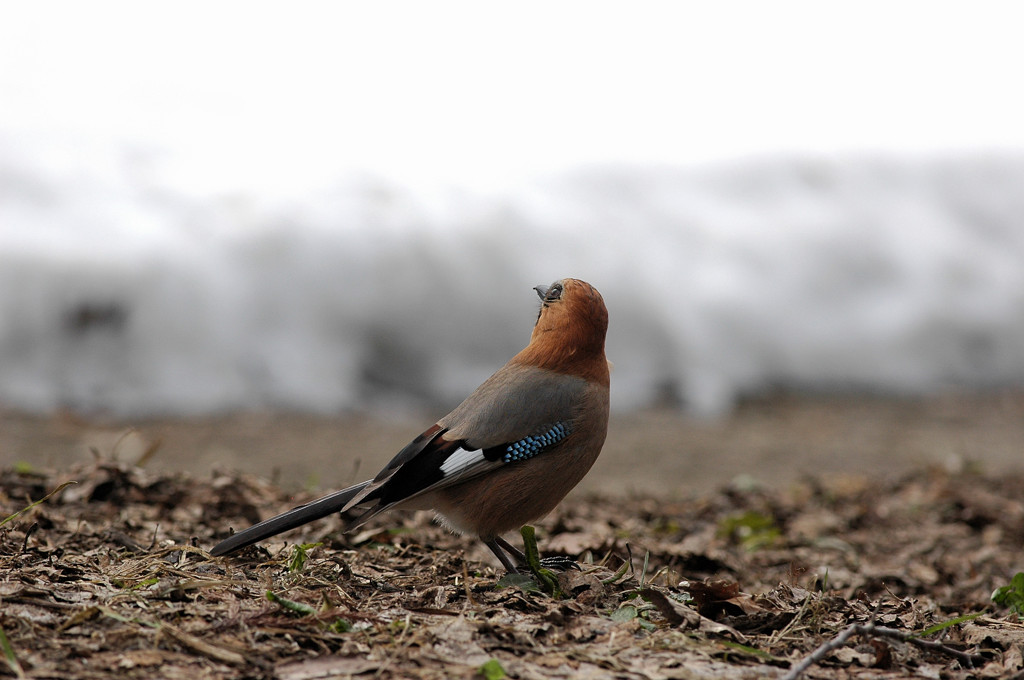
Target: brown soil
x=904 y=515
x=776 y=441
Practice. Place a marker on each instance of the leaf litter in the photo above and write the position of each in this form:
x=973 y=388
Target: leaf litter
x=866 y=579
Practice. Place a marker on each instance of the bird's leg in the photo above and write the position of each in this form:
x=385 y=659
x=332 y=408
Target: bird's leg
x=511 y=550
x=496 y=545
x=558 y=562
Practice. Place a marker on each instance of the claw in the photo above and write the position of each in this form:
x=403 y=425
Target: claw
x=560 y=563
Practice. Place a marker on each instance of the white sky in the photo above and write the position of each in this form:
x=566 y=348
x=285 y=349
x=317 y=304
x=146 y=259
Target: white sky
x=477 y=93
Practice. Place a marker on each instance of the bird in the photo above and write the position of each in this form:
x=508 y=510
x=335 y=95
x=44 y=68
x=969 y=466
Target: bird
x=509 y=453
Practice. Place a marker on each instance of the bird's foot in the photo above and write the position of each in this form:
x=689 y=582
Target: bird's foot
x=559 y=563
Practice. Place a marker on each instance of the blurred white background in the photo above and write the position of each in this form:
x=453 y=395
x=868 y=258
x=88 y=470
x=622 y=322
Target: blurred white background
x=327 y=206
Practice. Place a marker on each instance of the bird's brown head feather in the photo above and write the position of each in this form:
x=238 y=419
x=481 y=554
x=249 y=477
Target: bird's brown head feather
x=570 y=331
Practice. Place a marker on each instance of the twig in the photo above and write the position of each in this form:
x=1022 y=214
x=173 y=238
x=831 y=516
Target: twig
x=821 y=652
x=869 y=630
x=779 y=634
x=963 y=657
x=465 y=584
x=208 y=650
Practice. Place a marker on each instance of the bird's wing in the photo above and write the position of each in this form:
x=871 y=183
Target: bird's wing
x=519 y=412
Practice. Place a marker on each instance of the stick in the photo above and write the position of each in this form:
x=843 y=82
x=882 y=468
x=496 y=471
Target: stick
x=208 y=650
x=869 y=630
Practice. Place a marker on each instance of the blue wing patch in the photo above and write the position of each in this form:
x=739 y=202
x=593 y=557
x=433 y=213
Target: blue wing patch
x=531 y=445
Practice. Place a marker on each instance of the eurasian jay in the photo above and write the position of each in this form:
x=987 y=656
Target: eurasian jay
x=510 y=452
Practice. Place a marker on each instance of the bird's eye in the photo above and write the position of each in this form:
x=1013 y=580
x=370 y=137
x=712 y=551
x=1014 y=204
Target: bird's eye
x=554 y=292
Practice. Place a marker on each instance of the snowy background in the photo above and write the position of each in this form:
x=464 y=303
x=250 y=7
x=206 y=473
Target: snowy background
x=235 y=206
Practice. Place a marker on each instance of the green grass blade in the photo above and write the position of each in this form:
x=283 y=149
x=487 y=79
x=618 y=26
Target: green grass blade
x=9 y=656
x=32 y=505
x=291 y=605
x=946 y=624
x=545 y=577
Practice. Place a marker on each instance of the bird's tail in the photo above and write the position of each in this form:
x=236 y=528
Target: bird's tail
x=288 y=520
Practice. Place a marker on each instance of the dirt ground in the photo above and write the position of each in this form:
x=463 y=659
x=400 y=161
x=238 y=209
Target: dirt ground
x=776 y=441
x=718 y=549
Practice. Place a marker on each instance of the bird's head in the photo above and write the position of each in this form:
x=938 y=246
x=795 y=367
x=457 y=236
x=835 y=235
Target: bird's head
x=568 y=303
x=571 y=325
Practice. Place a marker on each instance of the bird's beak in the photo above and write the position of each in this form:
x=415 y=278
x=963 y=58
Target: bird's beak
x=542 y=291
